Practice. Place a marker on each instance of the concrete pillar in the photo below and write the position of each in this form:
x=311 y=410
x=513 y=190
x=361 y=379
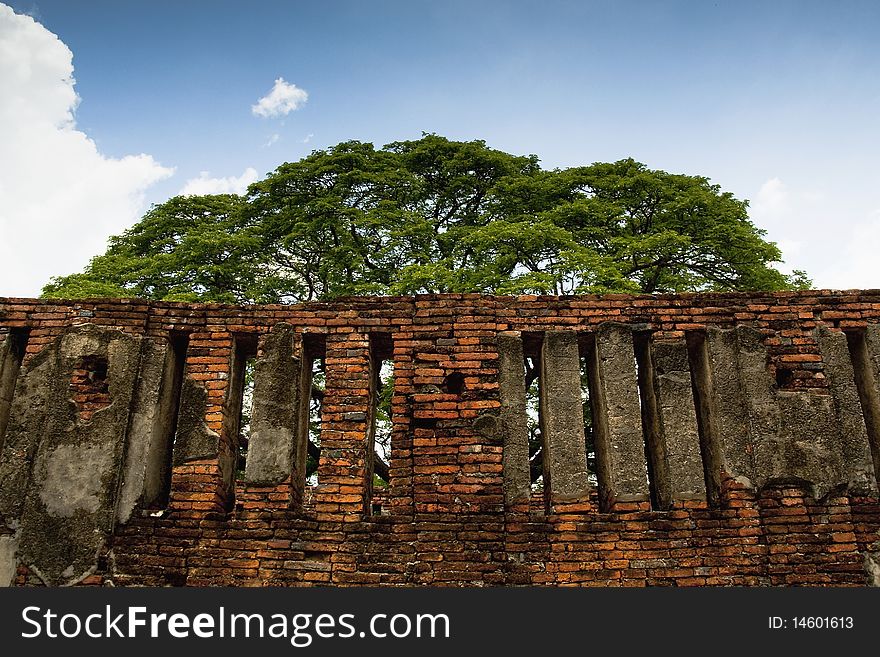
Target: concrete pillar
x=562 y=419
x=273 y=447
x=763 y=417
x=730 y=401
x=850 y=425
x=675 y=401
x=67 y=499
x=614 y=395
x=11 y=353
x=147 y=467
x=514 y=421
x=707 y=415
x=872 y=393
x=37 y=388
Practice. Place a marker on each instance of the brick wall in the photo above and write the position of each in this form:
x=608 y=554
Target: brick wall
x=736 y=441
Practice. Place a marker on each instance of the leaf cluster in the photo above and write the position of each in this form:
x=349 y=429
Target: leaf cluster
x=434 y=215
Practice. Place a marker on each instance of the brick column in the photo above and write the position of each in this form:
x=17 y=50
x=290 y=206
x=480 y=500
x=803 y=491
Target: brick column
x=345 y=428
x=199 y=480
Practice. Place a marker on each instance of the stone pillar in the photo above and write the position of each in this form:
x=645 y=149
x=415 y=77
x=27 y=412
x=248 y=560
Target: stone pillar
x=514 y=422
x=35 y=386
x=146 y=470
x=614 y=395
x=11 y=353
x=761 y=403
x=707 y=415
x=730 y=399
x=867 y=366
x=562 y=417
x=678 y=419
x=273 y=448
x=61 y=465
x=850 y=431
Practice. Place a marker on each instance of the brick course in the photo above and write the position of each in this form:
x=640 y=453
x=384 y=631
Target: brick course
x=444 y=519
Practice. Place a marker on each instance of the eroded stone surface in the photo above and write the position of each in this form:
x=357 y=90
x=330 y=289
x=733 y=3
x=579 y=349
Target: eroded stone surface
x=194 y=439
x=8 y=562
x=761 y=406
x=775 y=437
x=619 y=430
x=562 y=416
x=146 y=469
x=274 y=418
x=872 y=565
x=678 y=420
x=511 y=381
x=730 y=402
x=805 y=448
x=70 y=502
x=73 y=478
x=851 y=444
x=36 y=390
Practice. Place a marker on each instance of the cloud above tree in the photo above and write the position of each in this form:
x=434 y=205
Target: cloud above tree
x=60 y=197
x=206 y=184
x=282 y=99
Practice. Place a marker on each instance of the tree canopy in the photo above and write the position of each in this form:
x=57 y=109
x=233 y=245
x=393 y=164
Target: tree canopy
x=434 y=215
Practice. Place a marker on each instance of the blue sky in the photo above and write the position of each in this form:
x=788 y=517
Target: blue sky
x=775 y=101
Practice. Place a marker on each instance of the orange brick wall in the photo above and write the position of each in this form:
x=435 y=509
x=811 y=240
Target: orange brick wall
x=444 y=520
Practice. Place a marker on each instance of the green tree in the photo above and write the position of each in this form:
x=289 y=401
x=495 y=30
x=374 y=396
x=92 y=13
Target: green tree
x=193 y=248
x=434 y=215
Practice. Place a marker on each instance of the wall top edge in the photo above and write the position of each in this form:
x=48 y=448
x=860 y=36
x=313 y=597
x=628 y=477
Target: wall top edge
x=820 y=295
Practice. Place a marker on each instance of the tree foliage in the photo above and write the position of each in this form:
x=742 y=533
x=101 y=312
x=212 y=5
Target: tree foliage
x=429 y=216
x=434 y=215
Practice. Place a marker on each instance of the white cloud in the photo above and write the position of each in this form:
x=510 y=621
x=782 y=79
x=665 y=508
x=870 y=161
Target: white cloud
x=60 y=198
x=272 y=140
x=816 y=231
x=772 y=211
x=282 y=99
x=773 y=197
x=205 y=184
x=856 y=265
x=308 y=138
